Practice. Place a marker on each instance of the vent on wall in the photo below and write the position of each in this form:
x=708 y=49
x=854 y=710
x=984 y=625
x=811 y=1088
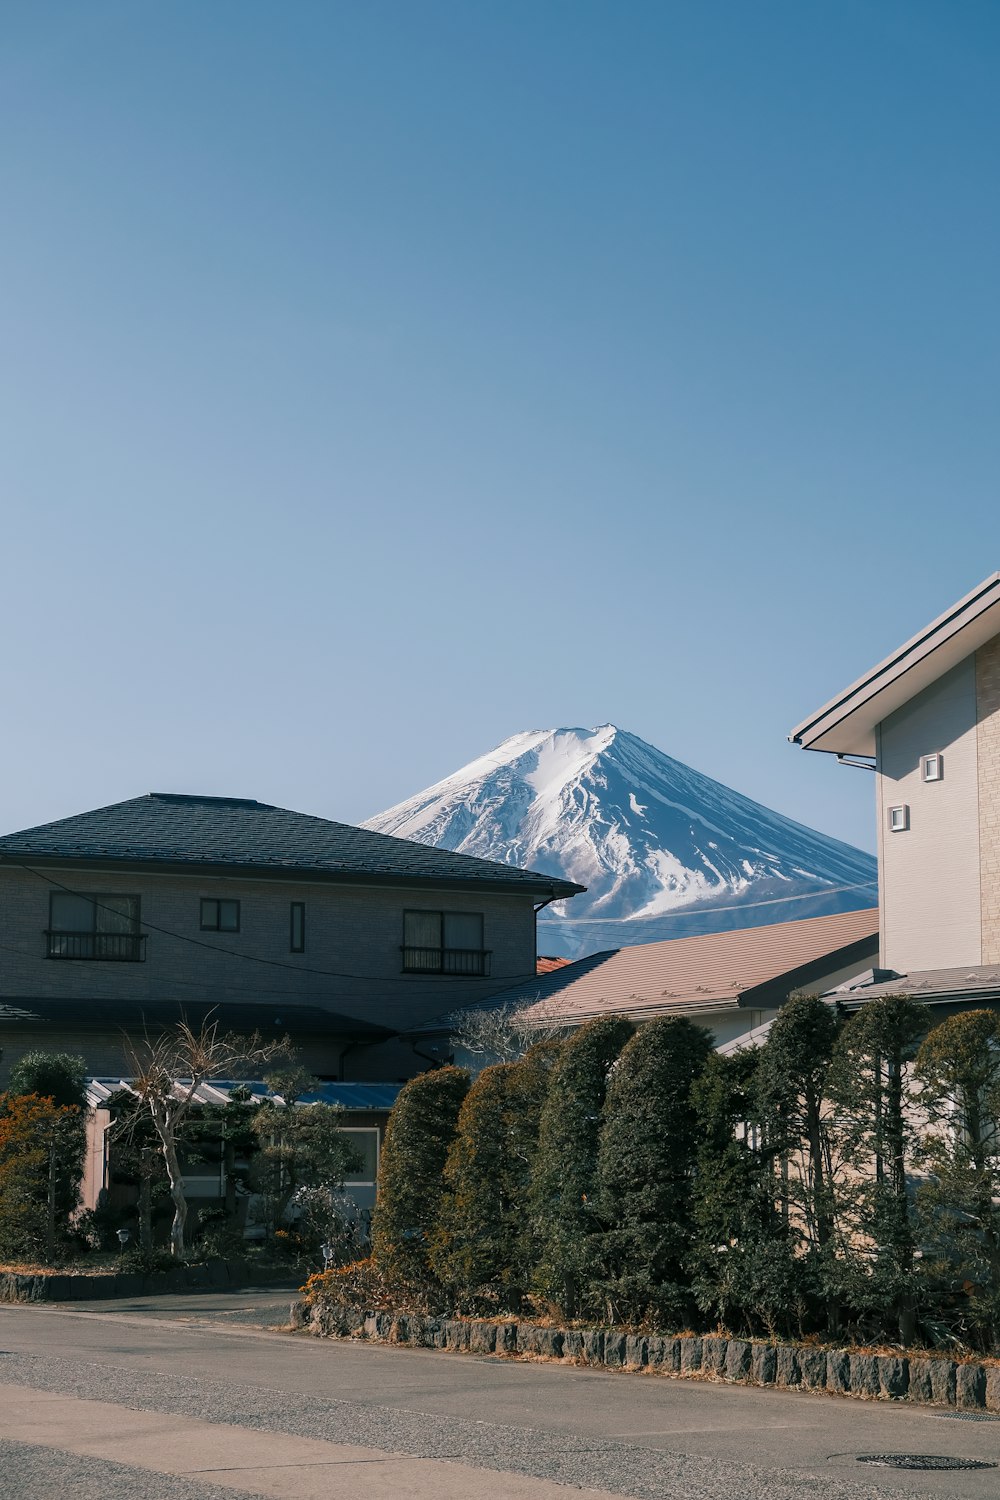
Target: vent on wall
x=932 y=767
x=899 y=819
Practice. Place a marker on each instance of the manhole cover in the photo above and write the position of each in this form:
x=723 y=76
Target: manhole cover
x=922 y=1461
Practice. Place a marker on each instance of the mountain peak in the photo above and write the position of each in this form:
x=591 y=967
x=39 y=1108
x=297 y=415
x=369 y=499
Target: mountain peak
x=648 y=836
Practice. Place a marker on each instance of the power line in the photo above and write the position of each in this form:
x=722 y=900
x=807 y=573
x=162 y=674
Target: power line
x=182 y=937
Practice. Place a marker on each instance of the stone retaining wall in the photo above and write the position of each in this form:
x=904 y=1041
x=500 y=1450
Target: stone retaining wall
x=966 y=1385
x=215 y=1274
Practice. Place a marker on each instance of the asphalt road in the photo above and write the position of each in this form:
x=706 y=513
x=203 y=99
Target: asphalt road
x=201 y=1396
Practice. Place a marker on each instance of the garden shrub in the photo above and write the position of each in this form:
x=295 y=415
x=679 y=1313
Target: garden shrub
x=645 y=1171
x=564 y=1182
x=481 y=1245
x=743 y=1271
x=418 y=1137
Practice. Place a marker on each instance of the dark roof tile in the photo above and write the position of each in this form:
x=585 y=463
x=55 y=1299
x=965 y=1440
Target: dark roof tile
x=173 y=829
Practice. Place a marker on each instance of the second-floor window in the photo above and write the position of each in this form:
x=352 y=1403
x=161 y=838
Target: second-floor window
x=297 y=927
x=99 y=926
x=444 y=942
x=219 y=916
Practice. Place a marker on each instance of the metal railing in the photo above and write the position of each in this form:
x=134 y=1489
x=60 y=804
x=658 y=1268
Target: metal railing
x=474 y=961
x=116 y=947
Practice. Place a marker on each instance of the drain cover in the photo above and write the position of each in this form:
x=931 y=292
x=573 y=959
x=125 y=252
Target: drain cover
x=966 y=1416
x=922 y=1461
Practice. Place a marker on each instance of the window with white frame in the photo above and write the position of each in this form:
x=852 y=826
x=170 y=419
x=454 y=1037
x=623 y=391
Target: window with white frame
x=899 y=818
x=932 y=767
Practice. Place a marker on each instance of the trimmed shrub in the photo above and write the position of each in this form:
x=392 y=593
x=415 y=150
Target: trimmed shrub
x=564 y=1182
x=743 y=1271
x=645 y=1170
x=874 y=1135
x=481 y=1246
x=959 y=1068
x=418 y=1136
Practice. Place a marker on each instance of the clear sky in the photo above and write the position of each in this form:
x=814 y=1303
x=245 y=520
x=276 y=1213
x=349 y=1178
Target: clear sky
x=383 y=378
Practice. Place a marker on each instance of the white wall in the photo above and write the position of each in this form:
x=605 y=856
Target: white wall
x=929 y=874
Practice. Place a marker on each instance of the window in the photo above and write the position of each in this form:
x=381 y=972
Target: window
x=444 y=942
x=96 y=926
x=219 y=916
x=932 y=767
x=899 y=819
x=297 y=927
x=364 y=1144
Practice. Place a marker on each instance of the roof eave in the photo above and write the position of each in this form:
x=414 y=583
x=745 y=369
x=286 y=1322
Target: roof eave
x=538 y=886
x=846 y=724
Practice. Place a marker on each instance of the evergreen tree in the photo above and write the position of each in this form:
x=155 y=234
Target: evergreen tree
x=875 y=1139
x=52 y=1075
x=564 y=1182
x=959 y=1068
x=744 y=1272
x=791 y=1100
x=481 y=1246
x=645 y=1175
x=418 y=1137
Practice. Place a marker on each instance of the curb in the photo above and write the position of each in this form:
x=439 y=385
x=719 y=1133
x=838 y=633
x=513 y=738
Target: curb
x=926 y=1380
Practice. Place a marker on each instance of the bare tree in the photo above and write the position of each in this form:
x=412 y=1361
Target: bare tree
x=167 y=1073
x=502 y=1033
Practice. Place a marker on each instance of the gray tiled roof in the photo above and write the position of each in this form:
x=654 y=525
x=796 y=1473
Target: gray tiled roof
x=171 y=829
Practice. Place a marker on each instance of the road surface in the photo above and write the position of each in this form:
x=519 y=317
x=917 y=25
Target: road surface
x=202 y=1396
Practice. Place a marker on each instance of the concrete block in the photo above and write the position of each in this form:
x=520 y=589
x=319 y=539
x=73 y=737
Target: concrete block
x=614 y=1350
x=838 y=1371
x=812 y=1366
x=763 y=1364
x=943 y=1381
x=893 y=1376
x=573 y=1343
x=713 y=1355
x=737 y=1360
x=636 y=1351
x=690 y=1355
x=506 y=1338
x=864 y=1379
x=482 y=1337
x=970 y=1387
x=593 y=1346
x=992 y=1387
x=788 y=1368
x=920 y=1388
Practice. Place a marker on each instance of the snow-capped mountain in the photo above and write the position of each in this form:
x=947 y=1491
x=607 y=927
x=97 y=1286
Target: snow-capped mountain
x=662 y=850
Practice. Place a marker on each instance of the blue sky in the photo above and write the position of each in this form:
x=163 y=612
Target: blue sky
x=381 y=379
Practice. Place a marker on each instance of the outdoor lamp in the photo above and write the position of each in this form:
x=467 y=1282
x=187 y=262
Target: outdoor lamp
x=123 y=1236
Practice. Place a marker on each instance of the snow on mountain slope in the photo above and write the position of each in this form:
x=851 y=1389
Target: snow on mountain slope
x=656 y=844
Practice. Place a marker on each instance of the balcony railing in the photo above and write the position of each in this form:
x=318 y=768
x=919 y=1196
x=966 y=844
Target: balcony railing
x=114 y=947
x=446 y=961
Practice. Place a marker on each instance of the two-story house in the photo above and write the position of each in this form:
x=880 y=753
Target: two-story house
x=927 y=722
x=115 y=923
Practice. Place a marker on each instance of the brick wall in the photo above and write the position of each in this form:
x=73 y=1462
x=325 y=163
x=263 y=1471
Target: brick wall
x=988 y=714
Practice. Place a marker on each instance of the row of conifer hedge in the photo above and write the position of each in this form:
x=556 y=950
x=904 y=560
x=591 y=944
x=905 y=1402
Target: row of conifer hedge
x=841 y=1181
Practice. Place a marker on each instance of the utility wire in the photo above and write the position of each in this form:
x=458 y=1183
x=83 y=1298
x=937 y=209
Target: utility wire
x=251 y=958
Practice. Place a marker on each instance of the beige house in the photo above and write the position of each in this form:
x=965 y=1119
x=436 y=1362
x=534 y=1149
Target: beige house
x=118 y=921
x=733 y=983
x=927 y=722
